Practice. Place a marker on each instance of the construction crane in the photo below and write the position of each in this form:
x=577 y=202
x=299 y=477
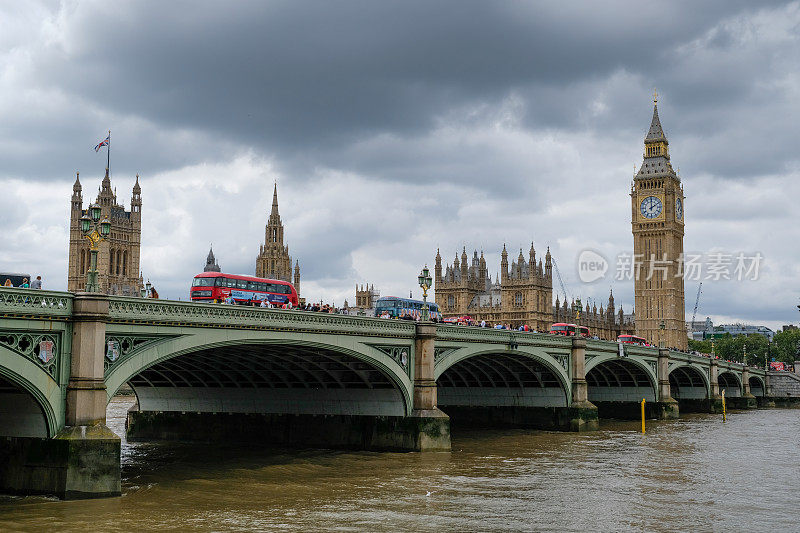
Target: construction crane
x=558 y=275
x=696 y=303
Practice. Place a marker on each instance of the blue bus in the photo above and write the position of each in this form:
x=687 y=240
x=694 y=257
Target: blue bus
x=394 y=307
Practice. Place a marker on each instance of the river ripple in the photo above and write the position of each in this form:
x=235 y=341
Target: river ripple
x=694 y=474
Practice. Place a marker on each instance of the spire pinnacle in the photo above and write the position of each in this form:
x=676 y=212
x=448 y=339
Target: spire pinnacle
x=656 y=132
x=275 y=200
x=655 y=96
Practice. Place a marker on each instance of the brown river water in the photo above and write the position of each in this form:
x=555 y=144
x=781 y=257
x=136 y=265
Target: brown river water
x=694 y=474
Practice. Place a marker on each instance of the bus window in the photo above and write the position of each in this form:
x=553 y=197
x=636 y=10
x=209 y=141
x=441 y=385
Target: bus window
x=241 y=284
x=230 y=282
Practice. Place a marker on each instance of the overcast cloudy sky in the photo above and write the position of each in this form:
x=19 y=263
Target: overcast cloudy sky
x=396 y=128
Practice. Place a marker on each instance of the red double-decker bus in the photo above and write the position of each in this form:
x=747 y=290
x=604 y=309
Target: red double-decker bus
x=632 y=339
x=217 y=287
x=562 y=328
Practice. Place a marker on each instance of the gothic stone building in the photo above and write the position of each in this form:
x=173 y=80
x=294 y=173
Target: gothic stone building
x=657 y=225
x=274 y=261
x=366 y=296
x=605 y=323
x=118 y=256
x=522 y=295
x=211 y=262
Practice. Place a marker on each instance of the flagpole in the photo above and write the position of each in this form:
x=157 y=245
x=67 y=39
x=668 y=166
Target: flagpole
x=108 y=153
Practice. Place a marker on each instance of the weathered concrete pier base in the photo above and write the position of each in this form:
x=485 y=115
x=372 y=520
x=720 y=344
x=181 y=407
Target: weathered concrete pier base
x=666 y=410
x=694 y=405
x=80 y=462
x=545 y=418
x=421 y=431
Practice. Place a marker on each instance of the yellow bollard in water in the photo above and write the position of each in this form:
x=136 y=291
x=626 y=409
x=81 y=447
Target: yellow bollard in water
x=724 y=414
x=642 y=415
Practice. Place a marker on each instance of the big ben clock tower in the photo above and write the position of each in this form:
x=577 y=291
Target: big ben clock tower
x=657 y=224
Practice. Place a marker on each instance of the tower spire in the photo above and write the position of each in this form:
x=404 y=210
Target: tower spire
x=275 y=201
x=656 y=132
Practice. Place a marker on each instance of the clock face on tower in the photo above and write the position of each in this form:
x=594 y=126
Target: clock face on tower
x=678 y=209
x=651 y=207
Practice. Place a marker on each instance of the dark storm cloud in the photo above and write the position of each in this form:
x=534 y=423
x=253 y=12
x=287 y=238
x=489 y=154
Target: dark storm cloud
x=305 y=80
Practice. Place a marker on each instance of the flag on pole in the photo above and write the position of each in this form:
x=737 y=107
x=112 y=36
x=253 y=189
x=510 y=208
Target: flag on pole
x=104 y=142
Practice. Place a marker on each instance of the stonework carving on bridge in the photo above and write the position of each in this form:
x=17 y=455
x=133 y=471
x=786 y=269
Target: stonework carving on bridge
x=400 y=354
x=438 y=353
x=43 y=349
x=121 y=347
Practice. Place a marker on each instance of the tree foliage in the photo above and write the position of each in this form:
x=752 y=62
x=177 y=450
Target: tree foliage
x=785 y=347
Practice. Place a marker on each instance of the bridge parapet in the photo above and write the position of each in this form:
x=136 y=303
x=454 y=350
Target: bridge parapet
x=35 y=304
x=166 y=312
x=500 y=336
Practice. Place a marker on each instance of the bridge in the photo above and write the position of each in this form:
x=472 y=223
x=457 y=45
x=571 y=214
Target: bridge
x=217 y=372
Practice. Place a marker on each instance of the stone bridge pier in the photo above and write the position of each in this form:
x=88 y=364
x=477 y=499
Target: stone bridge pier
x=83 y=459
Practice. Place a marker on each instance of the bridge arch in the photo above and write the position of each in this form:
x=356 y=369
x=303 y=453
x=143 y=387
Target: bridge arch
x=30 y=400
x=688 y=382
x=730 y=382
x=613 y=379
x=282 y=374
x=756 y=386
x=485 y=377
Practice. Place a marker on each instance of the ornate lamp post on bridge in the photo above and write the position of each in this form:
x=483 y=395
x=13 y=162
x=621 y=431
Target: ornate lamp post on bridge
x=576 y=308
x=425 y=282
x=145 y=291
x=96 y=231
x=661 y=327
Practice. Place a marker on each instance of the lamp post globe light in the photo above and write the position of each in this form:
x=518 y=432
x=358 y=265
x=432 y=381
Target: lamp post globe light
x=95 y=231
x=145 y=291
x=425 y=282
x=576 y=308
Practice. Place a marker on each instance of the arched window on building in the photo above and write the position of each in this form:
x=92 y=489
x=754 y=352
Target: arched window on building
x=111 y=262
x=83 y=263
x=518 y=300
x=119 y=260
x=125 y=263
x=451 y=301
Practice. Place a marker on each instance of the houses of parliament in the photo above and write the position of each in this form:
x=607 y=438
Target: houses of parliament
x=523 y=293
x=118 y=256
